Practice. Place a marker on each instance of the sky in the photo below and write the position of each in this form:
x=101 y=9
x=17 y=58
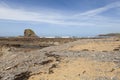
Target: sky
x=59 y=17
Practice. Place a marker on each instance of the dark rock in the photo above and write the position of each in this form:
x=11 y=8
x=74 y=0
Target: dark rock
x=116 y=49
x=85 y=50
x=46 y=62
x=23 y=76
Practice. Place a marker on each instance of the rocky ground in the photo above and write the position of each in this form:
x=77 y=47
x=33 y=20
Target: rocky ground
x=84 y=59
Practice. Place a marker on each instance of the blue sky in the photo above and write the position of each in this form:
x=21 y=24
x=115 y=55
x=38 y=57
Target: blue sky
x=59 y=17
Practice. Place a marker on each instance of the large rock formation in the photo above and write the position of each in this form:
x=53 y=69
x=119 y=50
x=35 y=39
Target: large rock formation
x=29 y=33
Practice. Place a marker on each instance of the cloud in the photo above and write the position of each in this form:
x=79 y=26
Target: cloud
x=8 y=13
x=17 y=14
x=100 y=10
x=81 y=19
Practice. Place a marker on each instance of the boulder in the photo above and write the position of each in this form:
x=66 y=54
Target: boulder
x=29 y=33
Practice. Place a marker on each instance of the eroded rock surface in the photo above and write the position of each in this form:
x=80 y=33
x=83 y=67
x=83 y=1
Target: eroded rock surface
x=29 y=33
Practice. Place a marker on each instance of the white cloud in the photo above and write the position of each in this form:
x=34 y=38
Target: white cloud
x=100 y=10
x=81 y=19
x=16 y=14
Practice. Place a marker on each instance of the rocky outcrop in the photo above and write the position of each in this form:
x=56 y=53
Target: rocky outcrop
x=29 y=33
x=4 y=48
